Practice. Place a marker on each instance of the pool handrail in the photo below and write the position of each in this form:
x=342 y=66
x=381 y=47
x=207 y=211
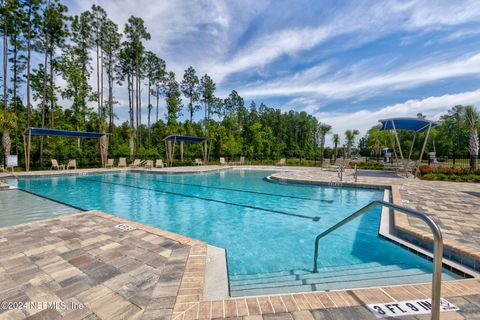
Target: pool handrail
x=437 y=245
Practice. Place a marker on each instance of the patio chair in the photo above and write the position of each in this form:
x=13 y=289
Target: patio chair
x=56 y=166
x=148 y=164
x=109 y=163
x=242 y=161
x=339 y=164
x=282 y=162
x=72 y=163
x=159 y=163
x=198 y=162
x=223 y=162
x=410 y=166
x=122 y=162
x=136 y=163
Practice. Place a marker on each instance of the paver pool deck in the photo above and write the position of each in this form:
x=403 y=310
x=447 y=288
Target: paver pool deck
x=83 y=260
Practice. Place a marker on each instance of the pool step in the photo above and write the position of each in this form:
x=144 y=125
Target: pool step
x=331 y=278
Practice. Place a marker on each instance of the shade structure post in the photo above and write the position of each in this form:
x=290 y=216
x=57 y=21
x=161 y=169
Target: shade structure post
x=425 y=142
x=205 y=152
x=25 y=151
x=170 y=153
x=398 y=140
x=411 y=147
x=166 y=152
x=181 y=151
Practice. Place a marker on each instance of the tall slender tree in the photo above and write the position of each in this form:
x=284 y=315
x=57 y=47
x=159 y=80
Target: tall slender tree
x=75 y=68
x=33 y=21
x=472 y=117
x=111 y=51
x=323 y=130
x=336 y=141
x=350 y=137
x=190 y=89
x=207 y=91
x=136 y=33
x=98 y=19
x=173 y=99
x=151 y=65
x=159 y=82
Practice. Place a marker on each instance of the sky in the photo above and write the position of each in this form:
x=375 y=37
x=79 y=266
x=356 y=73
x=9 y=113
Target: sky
x=349 y=63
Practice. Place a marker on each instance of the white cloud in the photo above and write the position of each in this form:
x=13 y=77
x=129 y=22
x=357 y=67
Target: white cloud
x=358 y=80
x=432 y=107
x=364 y=21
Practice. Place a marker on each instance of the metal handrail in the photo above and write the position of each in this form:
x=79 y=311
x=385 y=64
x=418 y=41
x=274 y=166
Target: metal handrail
x=437 y=246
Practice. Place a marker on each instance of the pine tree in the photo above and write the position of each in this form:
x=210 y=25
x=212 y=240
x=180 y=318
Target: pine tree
x=191 y=90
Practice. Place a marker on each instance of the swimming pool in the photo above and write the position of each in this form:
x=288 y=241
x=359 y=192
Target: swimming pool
x=267 y=228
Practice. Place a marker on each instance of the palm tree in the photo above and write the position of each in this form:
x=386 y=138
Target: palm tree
x=336 y=141
x=322 y=131
x=472 y=116
x=350 y=136
x=8 y=121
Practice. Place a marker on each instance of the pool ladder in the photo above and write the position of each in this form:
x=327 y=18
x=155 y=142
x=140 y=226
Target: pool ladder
x=437 y=246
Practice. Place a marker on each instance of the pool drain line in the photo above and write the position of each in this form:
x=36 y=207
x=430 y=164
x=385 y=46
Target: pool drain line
x=204 y=199
x=240 y=190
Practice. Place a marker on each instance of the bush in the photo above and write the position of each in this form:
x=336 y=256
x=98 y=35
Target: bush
x=449 y=174
x=369 y=165
x=448 y=170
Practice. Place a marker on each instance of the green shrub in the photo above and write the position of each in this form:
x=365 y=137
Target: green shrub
x=369 y=165
x=451 y=177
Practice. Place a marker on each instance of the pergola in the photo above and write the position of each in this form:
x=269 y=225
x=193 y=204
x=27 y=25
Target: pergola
x=171 y=140
x=411 y=124
x=55 y=132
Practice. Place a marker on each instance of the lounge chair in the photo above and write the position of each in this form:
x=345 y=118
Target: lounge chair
x=198 y=162
x=223 y=162
x=410 y=166
x=122 y=162
x=109 y=163
x=148 y=164
x=159 y=163
x=339 y=164
x=136 y=163
x=72 y=163
x=282 y=162
x=56 y=166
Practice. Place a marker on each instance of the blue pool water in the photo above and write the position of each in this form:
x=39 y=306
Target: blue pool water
x=264 y=226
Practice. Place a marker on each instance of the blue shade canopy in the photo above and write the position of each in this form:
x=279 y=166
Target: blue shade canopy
x=63 y=133
x=412 y=124
x=185 y=138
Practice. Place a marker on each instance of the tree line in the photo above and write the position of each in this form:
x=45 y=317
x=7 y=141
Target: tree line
x=50 y=57
x=91 y=46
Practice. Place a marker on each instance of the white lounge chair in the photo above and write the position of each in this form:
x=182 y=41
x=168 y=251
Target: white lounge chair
x=122 y=162
x=56 y=166
x=159 y=163
x=223 y=162
x=198 y=162
x=136 y=163
x=282 y=162
x=72 y=163
x=148 y=164
x=109 y=163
